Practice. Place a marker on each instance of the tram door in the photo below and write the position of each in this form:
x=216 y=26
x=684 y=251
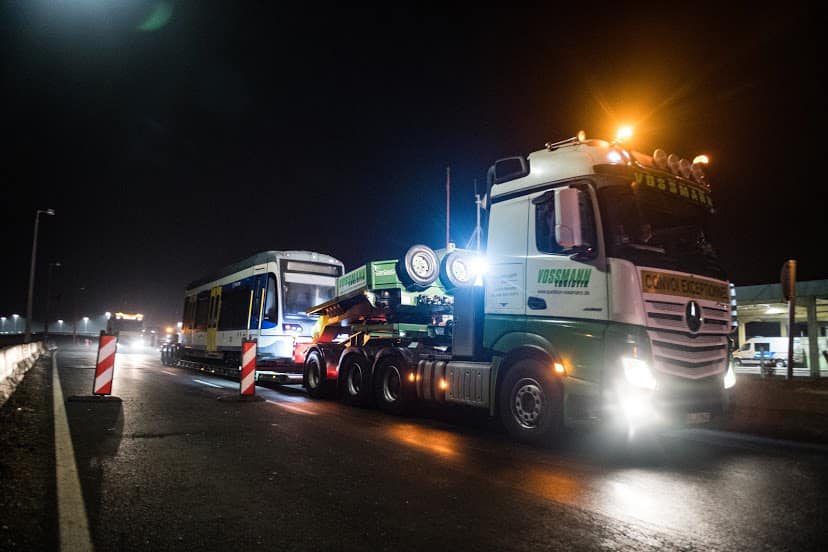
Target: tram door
x=213 y=317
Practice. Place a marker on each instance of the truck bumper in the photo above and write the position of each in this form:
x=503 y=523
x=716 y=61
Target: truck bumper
x=677 y=402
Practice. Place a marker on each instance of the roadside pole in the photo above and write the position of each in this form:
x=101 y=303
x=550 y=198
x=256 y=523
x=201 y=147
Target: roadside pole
x=788 y=280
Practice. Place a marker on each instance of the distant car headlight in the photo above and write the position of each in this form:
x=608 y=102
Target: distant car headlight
x=730 y=378
x=638 y=373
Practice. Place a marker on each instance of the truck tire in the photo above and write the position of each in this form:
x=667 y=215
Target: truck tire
x=456 y=270
x=530 y=402
x=389 y=386
x=315 y=376
x=419 y=266
x=737 y=361
x=355 y=374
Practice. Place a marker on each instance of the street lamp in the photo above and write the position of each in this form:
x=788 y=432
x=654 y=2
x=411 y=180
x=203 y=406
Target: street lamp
x=85 y=322
x=3 y=324
x=53 y=265
x=16 y=317
x=28 y=332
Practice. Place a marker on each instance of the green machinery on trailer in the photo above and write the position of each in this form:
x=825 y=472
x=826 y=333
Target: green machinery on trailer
x=386 y=314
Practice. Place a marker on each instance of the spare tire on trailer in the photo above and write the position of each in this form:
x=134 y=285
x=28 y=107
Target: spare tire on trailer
x=419 y=267
x=457 y=270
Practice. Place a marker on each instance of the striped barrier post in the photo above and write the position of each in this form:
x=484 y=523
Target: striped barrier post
x=248 y=375
x=105 y=366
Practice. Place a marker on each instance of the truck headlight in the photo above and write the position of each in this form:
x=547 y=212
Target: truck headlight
x=638 y=373
x=730 y=378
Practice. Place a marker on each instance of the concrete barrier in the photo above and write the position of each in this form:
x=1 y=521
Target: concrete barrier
x=775 y=407
x=15 y=361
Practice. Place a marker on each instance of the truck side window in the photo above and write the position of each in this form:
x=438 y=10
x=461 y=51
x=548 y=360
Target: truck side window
x=545 y=223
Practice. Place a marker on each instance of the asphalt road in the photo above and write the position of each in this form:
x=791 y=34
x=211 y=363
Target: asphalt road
x=171 y=467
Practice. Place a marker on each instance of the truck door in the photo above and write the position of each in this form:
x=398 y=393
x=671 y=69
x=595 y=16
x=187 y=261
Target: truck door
x=566 y=295
x=213 y=318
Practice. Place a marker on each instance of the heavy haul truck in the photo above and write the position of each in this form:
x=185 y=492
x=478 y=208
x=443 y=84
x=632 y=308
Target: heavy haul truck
x=602 y=300
x=599 y=299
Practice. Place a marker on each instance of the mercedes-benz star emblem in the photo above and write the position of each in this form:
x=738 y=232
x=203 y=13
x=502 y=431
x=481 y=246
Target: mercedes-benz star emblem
x=692 y=313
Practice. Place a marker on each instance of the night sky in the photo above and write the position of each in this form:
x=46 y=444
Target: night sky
x=175 y=137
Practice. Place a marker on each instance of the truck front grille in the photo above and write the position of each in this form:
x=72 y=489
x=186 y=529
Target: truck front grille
x=680 y=352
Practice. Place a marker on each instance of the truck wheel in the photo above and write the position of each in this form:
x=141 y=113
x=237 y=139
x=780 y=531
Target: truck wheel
x=356 y=381
x=737 y=361
x=456 y=270
x=389 y=386
x=780 y=363
x=418 y=267
x=530 y=402
x=315 y=376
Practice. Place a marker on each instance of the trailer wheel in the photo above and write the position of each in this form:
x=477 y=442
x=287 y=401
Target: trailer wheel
x=315 y=376
x=530 y=402
x=419 y=266
x=389 y=386
x=356 y=381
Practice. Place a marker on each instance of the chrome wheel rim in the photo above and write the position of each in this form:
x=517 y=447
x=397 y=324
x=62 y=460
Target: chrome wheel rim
x=421 y=265
x=527 y=403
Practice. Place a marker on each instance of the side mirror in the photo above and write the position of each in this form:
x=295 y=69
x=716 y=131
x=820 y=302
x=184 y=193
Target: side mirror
x=568 y=218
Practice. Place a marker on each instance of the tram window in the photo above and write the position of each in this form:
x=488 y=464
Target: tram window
x=235 y=306
x=271 y=310
x=188 y=318
x=202 y=310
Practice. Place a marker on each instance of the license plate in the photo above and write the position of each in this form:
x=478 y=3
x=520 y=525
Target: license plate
x=698 y=417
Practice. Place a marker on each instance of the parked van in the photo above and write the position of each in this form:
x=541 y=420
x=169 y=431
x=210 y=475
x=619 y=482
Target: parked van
x=771 y=350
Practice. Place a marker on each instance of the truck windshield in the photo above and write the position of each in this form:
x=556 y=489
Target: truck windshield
x=651 y=227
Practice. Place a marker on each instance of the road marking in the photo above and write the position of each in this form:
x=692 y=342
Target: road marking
x=72 y=522
x=292 y=408
x=169 y=373
x=207 y=383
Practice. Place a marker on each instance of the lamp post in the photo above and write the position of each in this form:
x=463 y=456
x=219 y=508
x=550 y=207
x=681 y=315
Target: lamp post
x=15 y=317
x=53 y=265
x=28 y=331
x=3 y=324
